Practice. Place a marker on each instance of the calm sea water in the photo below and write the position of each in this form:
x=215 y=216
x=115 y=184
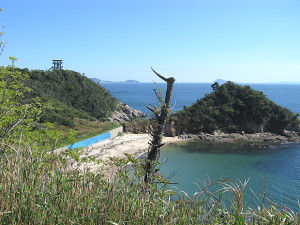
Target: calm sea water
x=138 y=95
x=194 y=164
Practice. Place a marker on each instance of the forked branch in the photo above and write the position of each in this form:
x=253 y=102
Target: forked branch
x=158 y=128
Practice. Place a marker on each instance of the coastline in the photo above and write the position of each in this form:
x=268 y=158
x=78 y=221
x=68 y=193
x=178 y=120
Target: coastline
x=255 y=139
x=134 y=144
x=137 y=145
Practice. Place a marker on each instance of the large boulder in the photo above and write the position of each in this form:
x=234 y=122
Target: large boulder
x=125 y=113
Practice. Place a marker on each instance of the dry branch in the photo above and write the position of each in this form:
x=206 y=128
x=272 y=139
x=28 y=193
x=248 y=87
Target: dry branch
x=158 y=128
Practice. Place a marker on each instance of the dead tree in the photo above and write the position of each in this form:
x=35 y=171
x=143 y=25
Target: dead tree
x=156 y=131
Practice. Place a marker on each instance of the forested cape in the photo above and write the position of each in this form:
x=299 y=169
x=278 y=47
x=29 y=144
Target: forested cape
x=235 y=108
x=72 y=95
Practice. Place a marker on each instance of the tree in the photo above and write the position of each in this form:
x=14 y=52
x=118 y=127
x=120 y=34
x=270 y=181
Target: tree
x=2 y=43
x=160 y=115
x=215 y=85
x=15 y=117
x=18 y=120
x=74 y=91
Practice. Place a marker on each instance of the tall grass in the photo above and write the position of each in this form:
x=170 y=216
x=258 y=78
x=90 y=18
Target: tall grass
x=40 y=190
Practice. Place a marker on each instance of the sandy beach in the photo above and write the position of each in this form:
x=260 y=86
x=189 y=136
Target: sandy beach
x=134 y=144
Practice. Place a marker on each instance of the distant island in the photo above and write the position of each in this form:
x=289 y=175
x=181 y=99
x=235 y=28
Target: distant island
x=132 y=81
x=285 y=82
x=220 y=81
x=96 y=80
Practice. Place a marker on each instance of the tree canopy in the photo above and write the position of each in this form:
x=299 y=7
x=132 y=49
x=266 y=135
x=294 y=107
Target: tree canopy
x=71 y=94
x=232 y=108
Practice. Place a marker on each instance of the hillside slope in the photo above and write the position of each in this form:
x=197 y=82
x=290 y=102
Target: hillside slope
x=73 y=90
x=234 y=108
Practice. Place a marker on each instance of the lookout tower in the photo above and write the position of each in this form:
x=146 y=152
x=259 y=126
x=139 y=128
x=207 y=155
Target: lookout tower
x=57 y=64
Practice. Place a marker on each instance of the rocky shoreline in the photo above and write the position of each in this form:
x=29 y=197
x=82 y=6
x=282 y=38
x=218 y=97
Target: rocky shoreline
x=254 y=140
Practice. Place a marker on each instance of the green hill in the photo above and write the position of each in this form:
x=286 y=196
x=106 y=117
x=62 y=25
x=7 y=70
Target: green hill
x=72 y=94
x=234 y=108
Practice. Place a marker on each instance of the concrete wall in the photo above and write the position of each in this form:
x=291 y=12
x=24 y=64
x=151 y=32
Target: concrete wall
x=111 y=134
x=116 y=131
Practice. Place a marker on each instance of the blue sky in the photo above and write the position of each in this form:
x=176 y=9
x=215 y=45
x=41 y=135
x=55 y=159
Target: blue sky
x=194 y=40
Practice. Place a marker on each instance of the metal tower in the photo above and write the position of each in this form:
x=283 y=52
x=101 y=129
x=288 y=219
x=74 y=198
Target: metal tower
x=57 y=64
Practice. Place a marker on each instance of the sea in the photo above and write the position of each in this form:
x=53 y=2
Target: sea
x=272 y=174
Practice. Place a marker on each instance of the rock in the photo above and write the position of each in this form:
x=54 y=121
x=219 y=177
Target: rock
x=217 y=133
x=260 y=140
x=170 y=129
x=125 y=113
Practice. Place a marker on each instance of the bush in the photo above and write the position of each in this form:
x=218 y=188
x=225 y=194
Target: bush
x=41 y=190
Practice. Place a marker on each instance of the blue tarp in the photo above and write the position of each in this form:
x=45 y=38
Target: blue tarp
x=90 y=141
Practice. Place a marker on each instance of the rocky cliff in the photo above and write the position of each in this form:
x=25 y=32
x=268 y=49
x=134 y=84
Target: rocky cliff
x=125 y=113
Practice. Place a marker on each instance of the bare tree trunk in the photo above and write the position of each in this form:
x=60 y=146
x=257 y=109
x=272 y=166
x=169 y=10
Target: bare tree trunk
x=160 y=117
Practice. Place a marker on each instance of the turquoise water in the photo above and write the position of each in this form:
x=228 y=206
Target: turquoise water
x=195 y=163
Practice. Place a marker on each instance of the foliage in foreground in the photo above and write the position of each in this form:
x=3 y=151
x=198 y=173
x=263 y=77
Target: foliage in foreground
x=39 y=190
x=38 y=187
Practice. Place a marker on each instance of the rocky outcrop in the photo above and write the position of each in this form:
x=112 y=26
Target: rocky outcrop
x=254 y=140
x=171 y=129
x=125 y=113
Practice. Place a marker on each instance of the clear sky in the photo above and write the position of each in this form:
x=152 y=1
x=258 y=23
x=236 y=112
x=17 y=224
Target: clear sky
x=248 y=41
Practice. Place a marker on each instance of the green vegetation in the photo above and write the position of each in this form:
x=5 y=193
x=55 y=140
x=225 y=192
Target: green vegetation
x=39 y=188
x=138 y=126
x=40 y=191
x=74 y=94
x=233 y=108
x=72 y=100
x=86 y=129
x=104 y=127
